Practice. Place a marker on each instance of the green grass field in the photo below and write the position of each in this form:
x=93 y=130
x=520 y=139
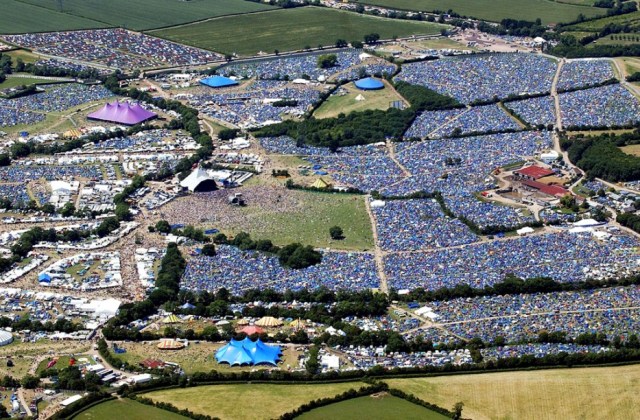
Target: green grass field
x=17 y=81
x=633 y=149
x=620 y=40
x=244 y=401
x=289 y=29
x=580 y=393
x=496 y=10
x=370 y=408
x=19 y=17
x=126 y=409
x=632 y=19
x=148 y=14
x=374 y=99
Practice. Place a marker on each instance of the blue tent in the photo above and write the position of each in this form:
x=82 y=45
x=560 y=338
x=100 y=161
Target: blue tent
x=369 y=84
x=44 y=278
x=187 y=306
x=247 y=352
x=218 y=82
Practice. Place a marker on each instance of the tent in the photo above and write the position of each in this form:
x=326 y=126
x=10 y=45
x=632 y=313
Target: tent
x=247 y=352
x=321 y=184
x=122 y=113
x=218 y=82
x=187 y=306
x=360 y=98
x=369 y=83
x=170 y=344
x=44 y=278
x=171 y=319
x=297 y=324
x=268 y=321
x=249 y=330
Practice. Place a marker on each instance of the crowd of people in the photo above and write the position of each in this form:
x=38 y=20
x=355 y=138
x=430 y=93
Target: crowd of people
x=293 y=67
x=534 y=111
x=563 y=256
x=407 y=225
x=605 y=106
x=117 y=48
x=238 y=270
x=483 y=77
x=579 y=73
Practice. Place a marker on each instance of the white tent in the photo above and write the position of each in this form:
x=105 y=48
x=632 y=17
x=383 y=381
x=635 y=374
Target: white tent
x=195 y=178
x=524 y=231
x=586 y=223
x=360 y=98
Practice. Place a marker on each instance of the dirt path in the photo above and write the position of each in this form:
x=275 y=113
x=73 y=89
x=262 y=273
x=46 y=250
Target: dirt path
x=378 y=253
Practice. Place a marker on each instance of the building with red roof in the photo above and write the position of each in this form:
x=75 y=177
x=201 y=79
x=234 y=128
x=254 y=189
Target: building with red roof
x=533 y=172
x=554 y=190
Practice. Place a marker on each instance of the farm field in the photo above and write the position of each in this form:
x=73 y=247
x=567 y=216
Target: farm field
x=148 y=14
x=633 y=149
x=496 y=10
x=581 y=393
x=632 y=19
x=126 y=409
x=289 y=29
x=18 y=17
x=371 y=408
x=373 y=99
x=267 y=401
x=619 y=40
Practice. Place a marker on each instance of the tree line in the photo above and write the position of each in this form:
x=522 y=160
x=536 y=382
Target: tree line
x=601 y=157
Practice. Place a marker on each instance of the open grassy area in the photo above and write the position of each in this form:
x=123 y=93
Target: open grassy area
x=373 y=99
x=243 y=401
x=289 y=29
x=632 y=19
x=148 y=14
x=496 y=10
x=633 y=149
x=387 y=407
x=19 y=17
x=17 y=81
x=26 y=56
x=581 y=393
x=126 y=409
x=619 y=40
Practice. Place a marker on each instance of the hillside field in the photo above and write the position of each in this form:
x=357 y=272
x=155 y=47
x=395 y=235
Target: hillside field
x=579 y=393
x=496 y=10
x=147 y=14
x=244 y=401
x=18 y=17
x=289 y=29
x=126 y=409
x=372 y=408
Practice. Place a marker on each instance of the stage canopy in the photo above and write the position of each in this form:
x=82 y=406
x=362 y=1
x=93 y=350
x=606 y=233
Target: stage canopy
x=247 y=352
x=122 y=113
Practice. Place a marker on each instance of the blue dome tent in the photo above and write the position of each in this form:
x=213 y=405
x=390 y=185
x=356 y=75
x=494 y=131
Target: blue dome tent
x=218 y=82
x=247 y=352
x=369 y=84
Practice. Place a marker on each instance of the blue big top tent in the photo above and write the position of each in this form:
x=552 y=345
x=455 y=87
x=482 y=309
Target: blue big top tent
x=369 y=84
x=247 y=352
x=218 y=82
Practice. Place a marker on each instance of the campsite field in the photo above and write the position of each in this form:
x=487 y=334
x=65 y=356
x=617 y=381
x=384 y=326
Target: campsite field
x=126 y=409
x=146 y=14
x=243 y=401
x=579 y=393
x=290 y=29
x=373 y=99
x=368 y=407
x=18 y=17
x=496 y=10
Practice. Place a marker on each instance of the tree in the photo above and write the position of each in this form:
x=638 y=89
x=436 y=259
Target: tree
x=68 y=210
x=122 y=212
x=357 y=44
x=336 y=233
x=30 y=382
x=371 y=38
x=341 y=43
x=313 y=365
x=457 y=410
x=209 y=250
x=327 y=61
x=5 y=159
x=48 y=208
x=163 y=226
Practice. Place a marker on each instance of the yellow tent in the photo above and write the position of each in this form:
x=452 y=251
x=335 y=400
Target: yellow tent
x=268 y=321
x=170 y=344
x=320 y=183
x=297 y=324
x=171 y=319
x=243 y=322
